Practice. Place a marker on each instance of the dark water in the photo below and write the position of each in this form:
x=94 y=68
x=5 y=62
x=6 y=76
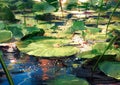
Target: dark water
x=29 y=70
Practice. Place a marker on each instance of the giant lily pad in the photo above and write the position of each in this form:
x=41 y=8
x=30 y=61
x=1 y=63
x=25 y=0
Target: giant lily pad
x=47 y=47
x=68 y=80
x=5 y=35
x=111 y=69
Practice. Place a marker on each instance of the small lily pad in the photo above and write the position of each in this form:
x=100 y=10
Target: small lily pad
x=111 y=69
x=68 y=80
x=5 y=35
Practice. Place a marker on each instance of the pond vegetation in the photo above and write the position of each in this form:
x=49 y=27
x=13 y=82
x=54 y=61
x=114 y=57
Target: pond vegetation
x=59 y=42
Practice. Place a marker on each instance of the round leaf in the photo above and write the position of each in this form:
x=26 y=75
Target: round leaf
x=111 y=69
x=47 y=47
x=5 y=35
x=68 y=80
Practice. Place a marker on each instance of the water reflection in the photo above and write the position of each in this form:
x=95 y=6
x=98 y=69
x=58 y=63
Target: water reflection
x=30 y=70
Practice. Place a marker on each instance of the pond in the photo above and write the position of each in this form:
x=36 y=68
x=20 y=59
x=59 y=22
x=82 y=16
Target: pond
x=31 y=70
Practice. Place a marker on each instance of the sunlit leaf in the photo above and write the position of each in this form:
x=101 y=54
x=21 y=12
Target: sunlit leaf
x=47 y=47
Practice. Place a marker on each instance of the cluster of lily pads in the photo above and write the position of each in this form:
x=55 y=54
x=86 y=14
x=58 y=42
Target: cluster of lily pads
x=40 y=41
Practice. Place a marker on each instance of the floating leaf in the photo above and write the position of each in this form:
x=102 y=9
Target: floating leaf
x=68 y=80
x=88 y=54
x=47 y=47
x=94 y=30
x=43 y=7
x=5 y=35
x=16 y=30
x=77 y=25
x=111 y=69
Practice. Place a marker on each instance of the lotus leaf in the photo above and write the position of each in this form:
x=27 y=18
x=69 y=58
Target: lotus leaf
x=77 y=25
x=19 y=31
x=47 y=47
x=43 y=7
x=68 y=80
x=16 y=30
x=5 y=35
x=111 y=69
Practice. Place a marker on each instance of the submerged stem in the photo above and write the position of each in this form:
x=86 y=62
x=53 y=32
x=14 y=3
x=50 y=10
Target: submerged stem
x=6 y=70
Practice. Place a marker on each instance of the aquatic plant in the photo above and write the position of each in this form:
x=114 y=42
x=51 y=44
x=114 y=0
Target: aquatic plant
x=110 y=68
x=117 y=5
x=47 y=47
x=5 y=35
x=68 y=79
x=6 y=70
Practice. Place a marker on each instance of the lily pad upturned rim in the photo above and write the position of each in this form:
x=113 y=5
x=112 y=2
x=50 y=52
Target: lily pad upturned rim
x=47 y=47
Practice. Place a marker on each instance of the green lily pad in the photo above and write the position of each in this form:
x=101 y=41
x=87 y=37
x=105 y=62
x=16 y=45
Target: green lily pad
x=97 y=49
x=77 y=25
x=68 y=80
x=5 y=35
x=19 y=31
x=93 y=30
x=16 y=30
x=111 y=69
x=88 y=54
x=43 y=7
x=46 y=47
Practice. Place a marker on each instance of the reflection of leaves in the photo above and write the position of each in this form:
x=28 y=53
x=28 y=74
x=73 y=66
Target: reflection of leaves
x=5 y=35
x=111 y=69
